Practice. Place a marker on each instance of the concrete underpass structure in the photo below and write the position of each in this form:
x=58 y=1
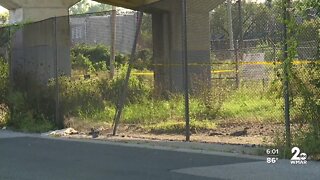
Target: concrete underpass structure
x=167 y=22
x=39 y=50
x=167 y=39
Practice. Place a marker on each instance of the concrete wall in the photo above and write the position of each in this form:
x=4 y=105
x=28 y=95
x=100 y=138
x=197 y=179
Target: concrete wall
x=37 y=45
x=36 y=48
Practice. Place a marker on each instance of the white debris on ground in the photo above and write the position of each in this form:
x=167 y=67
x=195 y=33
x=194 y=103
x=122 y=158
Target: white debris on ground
x=62 y=132
x=4 y=128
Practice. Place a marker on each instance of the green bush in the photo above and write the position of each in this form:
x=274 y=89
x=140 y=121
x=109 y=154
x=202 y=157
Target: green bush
x=83 y=63
x=306 y=93
x=310 y=141
x=4 y=80
x=94 y=53
x=80 y=97
x=28 y=109
x=100 y=66
x=26 y=117
x=143 y=60
x=98 y=55
x=4 y=90
x=111 y=90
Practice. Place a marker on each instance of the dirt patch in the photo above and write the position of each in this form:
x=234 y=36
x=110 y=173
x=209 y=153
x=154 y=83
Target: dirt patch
x=251 y=134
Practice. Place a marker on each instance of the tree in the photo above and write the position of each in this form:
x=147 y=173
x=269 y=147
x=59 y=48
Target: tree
x=87 y=6
x=99 y=8
x=257 y=21
x=4 y=18
x=309 y=8
x=80 y=8
x=146 y=32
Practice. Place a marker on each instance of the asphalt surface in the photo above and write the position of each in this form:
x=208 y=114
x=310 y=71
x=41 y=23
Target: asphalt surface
x=33 y=158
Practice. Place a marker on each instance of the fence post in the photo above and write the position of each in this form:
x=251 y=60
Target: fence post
x=286 y=4
x=113 y=41
x=56 y=75
x=236 y=54
x=11 y=36
x=185 y=67
x=240 y=24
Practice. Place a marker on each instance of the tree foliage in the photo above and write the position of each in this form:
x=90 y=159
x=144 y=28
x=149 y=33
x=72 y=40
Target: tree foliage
x=256 y=22
x=4 y=18
x=87 y=6
x=309 y=8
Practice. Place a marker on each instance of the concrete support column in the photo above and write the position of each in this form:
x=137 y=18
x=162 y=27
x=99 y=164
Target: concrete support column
x=167 y=42
x=36 y=10
x=36 y=45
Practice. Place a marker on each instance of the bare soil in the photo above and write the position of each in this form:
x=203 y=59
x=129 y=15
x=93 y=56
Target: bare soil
x=251 y=134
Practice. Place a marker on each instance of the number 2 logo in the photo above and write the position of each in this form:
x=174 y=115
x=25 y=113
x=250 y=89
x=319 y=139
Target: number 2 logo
x=297 y=155
x=296 y=152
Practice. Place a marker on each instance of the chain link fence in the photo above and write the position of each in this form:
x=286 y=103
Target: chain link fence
x=61 y=72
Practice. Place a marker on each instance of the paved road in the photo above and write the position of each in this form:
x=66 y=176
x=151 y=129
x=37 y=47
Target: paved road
x=33 y=158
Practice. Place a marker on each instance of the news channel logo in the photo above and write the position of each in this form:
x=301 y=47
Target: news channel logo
x=298 y=157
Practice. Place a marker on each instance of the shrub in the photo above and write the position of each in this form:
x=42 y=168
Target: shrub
x=4 y=80
x=25 y=109
x=98 y=54
x=111 y=90
x=94 y=53
x=208 y=100
x=82 y=63
x=26 y=117
x=143 y=60
x=80 y=97
x=4 y=90
x=309 y=140
x=100 y=66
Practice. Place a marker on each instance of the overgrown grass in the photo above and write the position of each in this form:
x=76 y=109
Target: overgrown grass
x=252 y=104
x=247 y=104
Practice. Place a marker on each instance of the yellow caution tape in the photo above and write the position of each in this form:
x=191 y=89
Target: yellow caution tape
x=300 y=62
x=143 y=74
x=297 y=62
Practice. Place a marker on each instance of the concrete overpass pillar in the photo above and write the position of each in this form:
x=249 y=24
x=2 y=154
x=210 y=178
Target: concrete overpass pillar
x=35 y=45
x=167 y=42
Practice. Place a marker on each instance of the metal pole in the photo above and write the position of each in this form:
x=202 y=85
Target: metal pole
x=113 y=41
x=9 y=58
x=230 y=28
x=125 y=86
x=237 y=64
x=185 y=67
x=85 y=29
x=233 y=52
x=56 y=71
x=286 y=4
x=240 y=25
